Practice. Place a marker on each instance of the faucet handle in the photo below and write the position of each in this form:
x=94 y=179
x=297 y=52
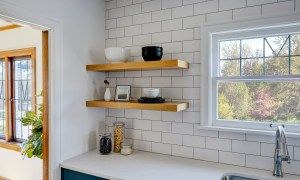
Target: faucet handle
x=276 y=125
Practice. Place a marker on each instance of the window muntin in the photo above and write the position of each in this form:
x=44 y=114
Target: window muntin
x=256 y=59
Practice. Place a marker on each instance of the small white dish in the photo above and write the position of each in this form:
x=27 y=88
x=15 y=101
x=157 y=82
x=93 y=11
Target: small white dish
x=151 y=92
x=116 y=54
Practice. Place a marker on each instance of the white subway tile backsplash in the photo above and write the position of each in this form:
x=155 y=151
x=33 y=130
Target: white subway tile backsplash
x=151 y=28
x=115 y=13
x=151 y=136
x=142 y=18
x=191 y=93
x=142 y=145
x=171 y=3
x=151 y=73
x=133 y=9
x=124 y=42
x=218 y=144
x=259 y=2
x=137 y=23
x=172 y=93
x=191 y=46
x=142 y=124
x=232 y=158
x=111 y=4
x=259 y=162
x=142 y=82
x=286 y=6
x=231 y=4
x=142 y=39
x=187 y=81
x=246 y=147
x=182 y=11
x=249 y=12
x=133 y=30
x=223 y=16
x=206 y=7
x=191 y=117
x=185 y=2
x=161 y=148
x=124 y=21
x=194 y=141
x=170 y=25
x=182 y=35
x=170 y=138
x=117 y=32
x=111 y=23
x=133 y=134
x=175 y=47
x=161 y=15
x=121 y=3
x=151 y=6
x=161 y=82
x=172 y=116
x=152 y=115
x=206 y=154
x=182 y=151
x=163 y=37
x=161 y=126
x=182 y=128
x=193 y=21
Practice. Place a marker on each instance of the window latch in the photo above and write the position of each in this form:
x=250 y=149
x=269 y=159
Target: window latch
x=11 y=99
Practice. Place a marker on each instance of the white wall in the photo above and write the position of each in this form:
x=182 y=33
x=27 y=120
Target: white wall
x=78 y=31
x=176 y=26
x=10 y=40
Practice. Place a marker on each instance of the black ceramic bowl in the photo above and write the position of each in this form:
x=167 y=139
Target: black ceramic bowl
x=152 y=53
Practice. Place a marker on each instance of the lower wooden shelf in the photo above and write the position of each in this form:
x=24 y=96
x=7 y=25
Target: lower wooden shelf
x=167 y=106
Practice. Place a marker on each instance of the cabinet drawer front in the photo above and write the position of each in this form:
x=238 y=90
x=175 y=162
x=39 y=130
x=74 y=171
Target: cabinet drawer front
x=67 y=174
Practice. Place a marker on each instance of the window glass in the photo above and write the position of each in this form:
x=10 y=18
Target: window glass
x=2 y=97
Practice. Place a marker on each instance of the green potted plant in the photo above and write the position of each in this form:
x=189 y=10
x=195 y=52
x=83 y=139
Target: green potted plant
x=33 y=146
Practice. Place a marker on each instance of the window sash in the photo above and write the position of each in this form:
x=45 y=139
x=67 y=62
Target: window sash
x=215 y=76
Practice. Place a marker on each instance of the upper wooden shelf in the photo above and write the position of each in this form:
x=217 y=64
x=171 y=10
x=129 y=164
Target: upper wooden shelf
x=133 y=66
x=167 y=106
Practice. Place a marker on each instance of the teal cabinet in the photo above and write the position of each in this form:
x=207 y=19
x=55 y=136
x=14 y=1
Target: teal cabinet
x=67 y=174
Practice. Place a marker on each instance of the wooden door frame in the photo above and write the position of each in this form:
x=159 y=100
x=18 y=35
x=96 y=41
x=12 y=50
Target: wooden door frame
x=45 y=71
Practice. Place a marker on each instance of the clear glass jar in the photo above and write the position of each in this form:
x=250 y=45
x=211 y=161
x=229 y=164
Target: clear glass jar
x=126 y=149
x=105 y=143
x=119 y=135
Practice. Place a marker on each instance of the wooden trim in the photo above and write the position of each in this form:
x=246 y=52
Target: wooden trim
x=34 y=93
x=9 y=27
x=167 y=106
x=8 y=129
x=134 y=66
x=11 y=145
x=46 y=106
x=17 y=52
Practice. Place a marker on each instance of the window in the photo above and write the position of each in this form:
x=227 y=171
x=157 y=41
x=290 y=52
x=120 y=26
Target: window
x=254 y=76
x=17 y=92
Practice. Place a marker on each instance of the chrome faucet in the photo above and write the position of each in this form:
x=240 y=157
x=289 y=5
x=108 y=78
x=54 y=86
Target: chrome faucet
x=281 y=151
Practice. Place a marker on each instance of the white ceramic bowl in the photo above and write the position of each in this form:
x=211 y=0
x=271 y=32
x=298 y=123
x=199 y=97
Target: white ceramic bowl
x=151 y=92
x=116 y=54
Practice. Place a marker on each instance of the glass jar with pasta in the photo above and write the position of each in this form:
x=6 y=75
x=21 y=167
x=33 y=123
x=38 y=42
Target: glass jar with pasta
x=119 y=135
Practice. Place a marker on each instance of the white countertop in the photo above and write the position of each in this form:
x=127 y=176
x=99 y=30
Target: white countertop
x=150 y=166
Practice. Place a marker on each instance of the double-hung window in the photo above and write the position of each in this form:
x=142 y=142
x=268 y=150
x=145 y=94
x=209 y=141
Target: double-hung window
x=17 y=92
x=254 y=77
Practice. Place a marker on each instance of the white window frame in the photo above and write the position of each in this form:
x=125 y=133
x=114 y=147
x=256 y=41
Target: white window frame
x=211 y=34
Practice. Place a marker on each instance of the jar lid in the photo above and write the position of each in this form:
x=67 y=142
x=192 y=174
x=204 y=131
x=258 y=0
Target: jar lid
x=119 y=123
x=126 y=145
x=105 y=134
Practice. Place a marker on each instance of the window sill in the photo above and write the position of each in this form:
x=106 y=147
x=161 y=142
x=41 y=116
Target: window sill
x=15 y=146
x=247 y=131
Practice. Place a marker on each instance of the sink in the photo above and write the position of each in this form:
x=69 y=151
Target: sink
x=236 y=177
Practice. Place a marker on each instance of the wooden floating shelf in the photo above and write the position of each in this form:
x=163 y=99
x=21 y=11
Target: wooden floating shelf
x=134 y=66
x=167 y=106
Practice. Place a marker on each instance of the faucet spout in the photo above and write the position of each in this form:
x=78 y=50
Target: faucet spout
x=281 y=151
